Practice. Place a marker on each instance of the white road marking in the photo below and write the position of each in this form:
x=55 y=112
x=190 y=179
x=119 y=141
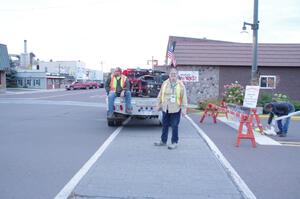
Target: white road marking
x=259 y=138
x=242 y=186
x=31 y=92
x=70 y=186
x=48 y=102
x=69 y=94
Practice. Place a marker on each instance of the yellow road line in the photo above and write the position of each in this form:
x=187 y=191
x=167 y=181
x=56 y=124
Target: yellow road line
x=287 y=143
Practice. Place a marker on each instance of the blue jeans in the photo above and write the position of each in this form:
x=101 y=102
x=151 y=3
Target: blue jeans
x=111 y=100
x=285 y=126
x=170 y=119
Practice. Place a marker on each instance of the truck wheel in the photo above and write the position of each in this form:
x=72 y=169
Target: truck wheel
x=71 y=88
x=87 y=88
x=110 y=122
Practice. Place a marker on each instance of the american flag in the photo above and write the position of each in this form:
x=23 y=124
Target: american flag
x=171 y=56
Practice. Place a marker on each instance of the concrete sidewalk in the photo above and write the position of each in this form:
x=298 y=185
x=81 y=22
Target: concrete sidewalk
x=132 y=167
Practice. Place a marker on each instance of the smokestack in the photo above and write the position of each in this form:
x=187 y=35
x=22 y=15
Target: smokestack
x=25 y=46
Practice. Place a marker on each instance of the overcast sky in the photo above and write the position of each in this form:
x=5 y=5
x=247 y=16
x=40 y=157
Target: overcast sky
x=127 y=33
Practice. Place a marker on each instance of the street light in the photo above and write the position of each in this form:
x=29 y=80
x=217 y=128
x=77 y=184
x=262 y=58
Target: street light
x=254 y=27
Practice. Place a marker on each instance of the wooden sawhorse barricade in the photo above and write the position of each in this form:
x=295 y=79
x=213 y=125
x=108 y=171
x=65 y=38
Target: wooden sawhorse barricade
x=247 y=120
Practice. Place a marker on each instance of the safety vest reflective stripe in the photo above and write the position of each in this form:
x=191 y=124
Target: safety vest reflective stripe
x=113 y=82
x=178 y=92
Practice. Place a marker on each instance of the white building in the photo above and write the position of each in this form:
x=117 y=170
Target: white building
x=73 y=68
x=95 y=75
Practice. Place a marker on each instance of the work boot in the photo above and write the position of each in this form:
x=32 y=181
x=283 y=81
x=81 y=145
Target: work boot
x=110 y=115
x=160 y=143
x=172 y=146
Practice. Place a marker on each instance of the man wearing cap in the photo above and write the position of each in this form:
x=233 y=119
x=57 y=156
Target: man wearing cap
x=117 y=85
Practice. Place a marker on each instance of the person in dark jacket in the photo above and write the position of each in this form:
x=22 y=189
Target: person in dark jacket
x=280 y=109
x=117 y=85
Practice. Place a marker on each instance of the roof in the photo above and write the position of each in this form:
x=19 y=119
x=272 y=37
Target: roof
x=191 y=51
x=4 y=59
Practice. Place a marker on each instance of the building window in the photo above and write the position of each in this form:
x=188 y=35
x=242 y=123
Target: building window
x=38 y=82
x=28 y=82
x=20 y=82
x=267 y=81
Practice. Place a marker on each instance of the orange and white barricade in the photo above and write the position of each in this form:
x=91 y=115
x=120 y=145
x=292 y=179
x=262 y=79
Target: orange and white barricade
x=247 y=119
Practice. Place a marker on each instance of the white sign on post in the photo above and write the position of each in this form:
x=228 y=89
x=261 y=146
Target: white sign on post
x=251 y=96
x=189 y=76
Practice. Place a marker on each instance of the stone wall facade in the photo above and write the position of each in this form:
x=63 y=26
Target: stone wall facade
x=206 y=88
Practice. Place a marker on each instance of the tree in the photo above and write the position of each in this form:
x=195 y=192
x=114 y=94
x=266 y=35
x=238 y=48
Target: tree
x=11 y=75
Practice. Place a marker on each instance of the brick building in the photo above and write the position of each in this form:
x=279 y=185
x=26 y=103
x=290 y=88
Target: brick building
x=212 y=64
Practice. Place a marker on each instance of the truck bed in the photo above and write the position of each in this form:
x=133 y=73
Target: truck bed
x=141 y=106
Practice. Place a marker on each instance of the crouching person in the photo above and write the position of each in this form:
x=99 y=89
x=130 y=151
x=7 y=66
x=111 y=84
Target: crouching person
x=280 y=109
x=172 y=101
x=117 y=85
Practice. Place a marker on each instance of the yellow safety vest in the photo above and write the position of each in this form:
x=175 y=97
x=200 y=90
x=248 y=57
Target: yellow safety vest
x=113 y=82
x=178 y=92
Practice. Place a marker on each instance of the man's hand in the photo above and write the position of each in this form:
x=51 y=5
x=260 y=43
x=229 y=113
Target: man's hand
x=157 y=108
x=122 y=94
x=268 y=126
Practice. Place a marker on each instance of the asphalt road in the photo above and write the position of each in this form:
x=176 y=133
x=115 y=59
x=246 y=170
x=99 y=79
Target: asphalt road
x=44 y=142
x=46 y=138
x=271 y=172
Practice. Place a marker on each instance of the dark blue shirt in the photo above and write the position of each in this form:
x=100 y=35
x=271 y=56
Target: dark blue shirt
x=280 y=109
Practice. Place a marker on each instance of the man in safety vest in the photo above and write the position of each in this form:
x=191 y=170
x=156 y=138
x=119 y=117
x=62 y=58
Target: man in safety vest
x=172 y=100
x=117 y=85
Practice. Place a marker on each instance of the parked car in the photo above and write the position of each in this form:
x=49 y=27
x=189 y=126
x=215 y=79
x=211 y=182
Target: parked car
x=82 y=85
x=101 y=85
x=93 y=84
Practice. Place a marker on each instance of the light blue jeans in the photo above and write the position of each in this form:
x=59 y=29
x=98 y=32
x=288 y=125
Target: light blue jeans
x=283 y=125
x=111 y=101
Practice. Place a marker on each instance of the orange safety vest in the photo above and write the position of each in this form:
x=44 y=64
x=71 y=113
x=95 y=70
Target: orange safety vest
x=113 y=82
x=178 y=92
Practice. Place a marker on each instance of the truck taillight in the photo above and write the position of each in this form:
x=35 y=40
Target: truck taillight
x=121 y=108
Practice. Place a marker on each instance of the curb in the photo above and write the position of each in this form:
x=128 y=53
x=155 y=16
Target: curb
x=237 y=180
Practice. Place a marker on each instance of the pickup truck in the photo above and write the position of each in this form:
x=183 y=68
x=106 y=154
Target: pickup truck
x=144 y=90
x=82 y=85
x=142 y=108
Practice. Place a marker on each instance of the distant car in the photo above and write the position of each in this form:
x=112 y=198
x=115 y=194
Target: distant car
x=101 y=85
x=93 y=84
x=76 y=85
x=82 y=85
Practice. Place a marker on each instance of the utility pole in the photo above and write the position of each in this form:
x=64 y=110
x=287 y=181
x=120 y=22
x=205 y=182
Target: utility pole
x=254 y=26
x=152 y=62
x=254 y=49
x=102 y=75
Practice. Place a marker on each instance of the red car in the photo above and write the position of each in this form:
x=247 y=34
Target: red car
x=82 y=85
